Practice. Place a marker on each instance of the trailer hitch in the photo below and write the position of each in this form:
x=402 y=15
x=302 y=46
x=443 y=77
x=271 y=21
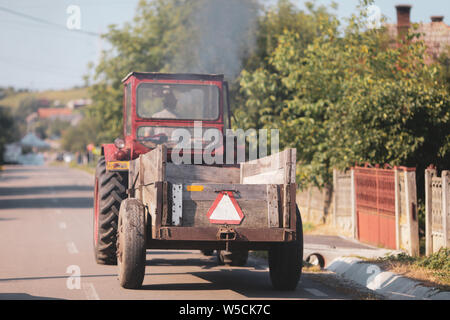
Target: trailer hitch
x=226 y=234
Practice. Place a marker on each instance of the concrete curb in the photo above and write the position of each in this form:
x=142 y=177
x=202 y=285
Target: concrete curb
x=390 y=285
x=330 y=253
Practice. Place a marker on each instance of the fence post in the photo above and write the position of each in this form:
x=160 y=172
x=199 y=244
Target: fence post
x=354 y=213
x=335 y=187
x=397 y=209
x=410 y=206
x=445 y=200
x=429 y=173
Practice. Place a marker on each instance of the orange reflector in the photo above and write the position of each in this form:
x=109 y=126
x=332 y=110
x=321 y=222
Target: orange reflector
x=194 y=188
x=117 y=165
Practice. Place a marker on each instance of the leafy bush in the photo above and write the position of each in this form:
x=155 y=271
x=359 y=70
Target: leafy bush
x=437 y=261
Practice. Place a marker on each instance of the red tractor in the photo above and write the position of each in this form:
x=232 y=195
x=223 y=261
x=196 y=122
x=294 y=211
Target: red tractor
x=151 y=112
x=143 y=200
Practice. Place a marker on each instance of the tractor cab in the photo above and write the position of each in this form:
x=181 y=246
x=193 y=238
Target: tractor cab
x=158 y=107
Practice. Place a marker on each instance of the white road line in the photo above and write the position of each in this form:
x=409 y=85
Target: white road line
x=72 y=248
x=316 y=292
x=89 y=291
x=62 y=225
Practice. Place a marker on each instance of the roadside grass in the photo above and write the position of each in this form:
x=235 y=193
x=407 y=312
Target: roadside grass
x=432 y=270
x=308 y=227
x=326 y=229
x=89 y=168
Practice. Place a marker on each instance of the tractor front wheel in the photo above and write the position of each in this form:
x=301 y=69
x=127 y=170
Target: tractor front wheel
x=110 y=190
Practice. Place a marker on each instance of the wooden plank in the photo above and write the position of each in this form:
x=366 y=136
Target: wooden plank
x=272 y=206
x=165 y=217
x=274 y=169
x=154 y=164
x=269 y=177
x=186 y=174
x=293 y=205
x=286 y=205
x=240 y=191
x=255 y=213
x=209 y=233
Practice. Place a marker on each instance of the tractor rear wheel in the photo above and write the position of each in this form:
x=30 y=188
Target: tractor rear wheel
x=131 y=244
x=110 y=190
x=286 y=261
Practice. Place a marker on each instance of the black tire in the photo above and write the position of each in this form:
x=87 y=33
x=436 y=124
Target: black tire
x=110 y=190
x=286 y=261
x=236 y=258
x=131 y=244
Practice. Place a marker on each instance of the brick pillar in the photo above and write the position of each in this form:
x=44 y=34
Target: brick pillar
x=403 y=19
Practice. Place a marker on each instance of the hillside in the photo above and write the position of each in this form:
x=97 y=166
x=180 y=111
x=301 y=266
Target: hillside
x=63 y=96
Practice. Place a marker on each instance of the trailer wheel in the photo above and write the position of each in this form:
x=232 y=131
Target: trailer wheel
x=131 y=244
x=236 y=258
x=110 y=190
x=286 y=261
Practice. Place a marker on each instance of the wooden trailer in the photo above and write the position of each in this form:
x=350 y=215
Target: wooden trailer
x=231 y=209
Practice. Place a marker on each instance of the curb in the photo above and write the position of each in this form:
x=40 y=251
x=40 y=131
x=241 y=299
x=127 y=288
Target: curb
x=388 y=284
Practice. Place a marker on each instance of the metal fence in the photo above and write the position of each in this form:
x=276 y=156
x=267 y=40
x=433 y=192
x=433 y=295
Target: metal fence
x=374 y=205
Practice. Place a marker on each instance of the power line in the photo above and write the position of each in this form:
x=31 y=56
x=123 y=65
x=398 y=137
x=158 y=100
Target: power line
x=26 y=16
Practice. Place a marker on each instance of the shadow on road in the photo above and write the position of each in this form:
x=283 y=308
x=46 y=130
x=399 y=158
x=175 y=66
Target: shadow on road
x=39 y=203
x=20 y=191
x=24 y=296
x=250 y=283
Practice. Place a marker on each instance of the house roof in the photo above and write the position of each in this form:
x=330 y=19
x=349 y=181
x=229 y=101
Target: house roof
x=435 y=34
x=53 y=112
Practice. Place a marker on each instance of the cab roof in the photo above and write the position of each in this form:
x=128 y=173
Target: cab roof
x=174 y=76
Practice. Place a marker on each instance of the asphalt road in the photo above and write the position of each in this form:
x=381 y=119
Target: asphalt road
x=46 y=251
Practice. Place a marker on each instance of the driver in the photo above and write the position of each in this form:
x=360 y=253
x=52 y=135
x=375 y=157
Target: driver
x=169 y=106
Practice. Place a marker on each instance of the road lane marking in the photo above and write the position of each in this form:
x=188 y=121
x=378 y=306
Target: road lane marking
x=62 y=225
x=316 y=292
x=89 y=291
x=72 y=248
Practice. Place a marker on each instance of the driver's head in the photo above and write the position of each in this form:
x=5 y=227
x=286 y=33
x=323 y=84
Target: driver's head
x=169 y=100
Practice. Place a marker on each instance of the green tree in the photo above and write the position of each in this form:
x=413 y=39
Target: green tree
x=258 y=85
x=75 y=139
x=350 y=97
x=9 y=131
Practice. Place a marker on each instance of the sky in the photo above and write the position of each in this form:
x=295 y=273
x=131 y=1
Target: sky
x=38 y=51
